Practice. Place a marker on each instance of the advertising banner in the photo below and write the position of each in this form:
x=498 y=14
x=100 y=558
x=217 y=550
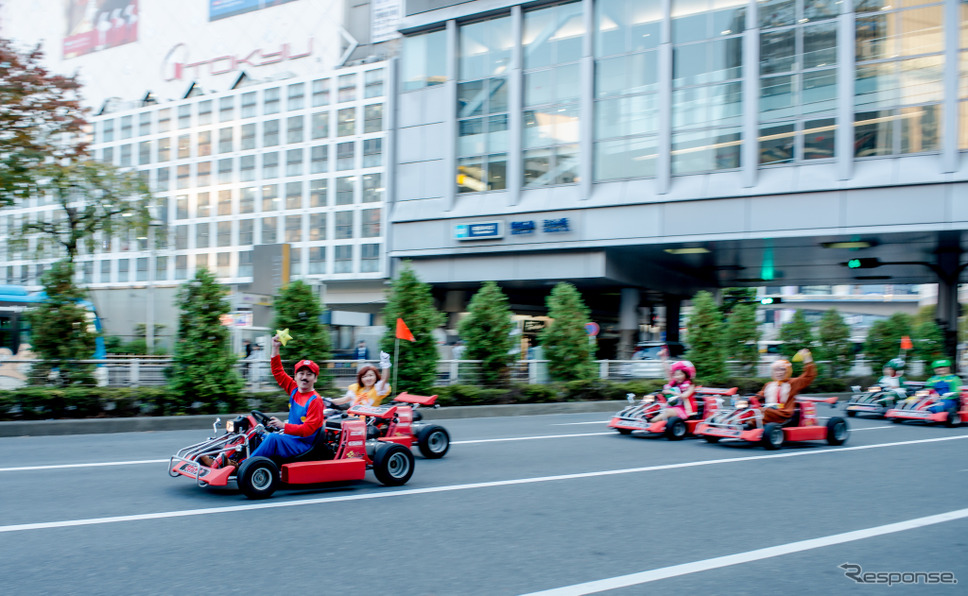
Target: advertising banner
x=94 y=25
x=221 y=9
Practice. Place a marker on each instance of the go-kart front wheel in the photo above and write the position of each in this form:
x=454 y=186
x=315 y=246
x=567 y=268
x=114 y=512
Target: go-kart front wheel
x=851 y=413
x=258 y=477
x=837 y=431
x=675 y=428
x=393 y=464
x=952 y=419
x=434 y=441
x=772 y=436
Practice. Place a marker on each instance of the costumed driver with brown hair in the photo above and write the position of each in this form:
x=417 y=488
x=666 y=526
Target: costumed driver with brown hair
x=779 y=395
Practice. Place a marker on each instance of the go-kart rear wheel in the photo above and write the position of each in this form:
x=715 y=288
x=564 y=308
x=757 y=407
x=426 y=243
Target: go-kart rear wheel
x=624 y=431
x=258 y=477
x=393 y=464
x=711 y=439
x=837 y=431
x=434 y=441
x=953 y=419
x=772 y=436
x=675 y=428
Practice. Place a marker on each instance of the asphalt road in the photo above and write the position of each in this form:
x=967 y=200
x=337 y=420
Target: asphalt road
x=519 y=505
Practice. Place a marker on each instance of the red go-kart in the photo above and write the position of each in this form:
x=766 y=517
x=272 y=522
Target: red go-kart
x=400 y=422
x=339 y=453
x=745 y=422
x=917 y=408
x=638 y=415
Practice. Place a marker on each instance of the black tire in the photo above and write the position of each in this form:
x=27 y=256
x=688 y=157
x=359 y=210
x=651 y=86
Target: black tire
x=675 y=428
x=837 y=431
x=393 y=464
x=772 y=436
x=258 y=477
x=953 y=419
x=434 y=441
x=851 y=413
x=897 y=420
x=624 y=431
x=711 y=439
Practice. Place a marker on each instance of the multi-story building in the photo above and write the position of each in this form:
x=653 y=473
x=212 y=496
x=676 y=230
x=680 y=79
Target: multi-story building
x=646 y=149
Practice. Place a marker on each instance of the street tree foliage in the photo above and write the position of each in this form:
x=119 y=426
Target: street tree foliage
x=486 y=331
x=706 y=348
x=41 y=122
x=834 y=347
x=61 y=333
x=416 y=363
x=298 y=309
x=732 y=297
x=566 y=346
x=203 y=372
x=95 y=201
x=884 y=339
x=741 y=337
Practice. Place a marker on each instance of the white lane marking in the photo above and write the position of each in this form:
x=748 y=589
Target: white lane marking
x=534 y=438
x=444 y=489
x=854 y=430
x=577 y=423
x=105 y=464
x=635 y=579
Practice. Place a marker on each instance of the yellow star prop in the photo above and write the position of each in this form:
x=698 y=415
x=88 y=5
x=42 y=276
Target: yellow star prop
x=283 y=335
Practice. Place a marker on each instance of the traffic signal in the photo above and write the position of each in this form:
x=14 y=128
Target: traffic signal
x=865 y=263
x=771 y=300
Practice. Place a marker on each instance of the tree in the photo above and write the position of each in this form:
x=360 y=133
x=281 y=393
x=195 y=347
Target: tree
x=705 y=329
x=928 y=340
x=884 y=339
x=566 y=346
x=42 y=120
x=741 y=336
x=416 y=364
x=732 y=297
x=835 y=348
x=299 y=310
x=91 y=197
x=487 y=332
x=203 y=371
x=61 y=333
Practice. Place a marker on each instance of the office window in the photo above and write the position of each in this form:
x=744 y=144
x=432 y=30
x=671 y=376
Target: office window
x=372 y=153
x=184 y=146
x=294 y=162
x=203 y=205
x=320 y=125
x=225 y=171
x=105 y=272
x=245 y=232
x=164 y=120
x=345 y=156
x=294 y=129
x=202 y=235
x=317 y=192
x=226 y=141
x=185 y=116
x=141 y=269
x=223 y=264
x=162 y=179
x=270 y=197
x=294 y=195
x=271 y=101
x=347 y=88
x=127 y=127
x=144 y=153
x=247 y=137
x=226 y=109
x=204 y=143
x=183 y=177
x=373 y=83
x=125 y=156
x=248 y=104
x=107 y=155
x=164 y=149
x=372 y=188
x=344 y=190
x=247 y=199
x=161 y=268
x=245 y=263
x=225 y=202
x=201 y=262
x=293 y=228
x=247 y=168
x=270 y=133
x=181 y=237
x=320 y=92
x=181 y=267
x=144 y=124
x=343 y=259
x=319 y=159
x=124 y=266
x=205 y=112
x=107 y=131
x=369 y=258
x=203 y=173
x=317 y=226
x=346 y=122
x=343 y=225
x=369 y=223
x=373 y=118
x=181 y=207
x=270 y=165
x=317 y=259
x=224 y=233
x=423 y=60
x=269 y=231
x=297 y=96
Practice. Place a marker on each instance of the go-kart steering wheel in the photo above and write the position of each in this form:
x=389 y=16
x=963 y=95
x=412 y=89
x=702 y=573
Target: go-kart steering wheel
x=261 y=418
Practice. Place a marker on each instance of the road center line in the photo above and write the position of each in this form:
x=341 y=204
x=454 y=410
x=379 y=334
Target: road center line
x=635 y=579
x=390 y=493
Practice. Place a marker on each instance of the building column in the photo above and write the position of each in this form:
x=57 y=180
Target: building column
x=673 y=306
x=628 y=323
x=455 y=302
x=948 y=268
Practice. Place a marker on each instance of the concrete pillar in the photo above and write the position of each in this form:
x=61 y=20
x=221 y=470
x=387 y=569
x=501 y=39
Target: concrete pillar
x=673 y=306
x=628 y=323
x=948 y=269
x=455 y=302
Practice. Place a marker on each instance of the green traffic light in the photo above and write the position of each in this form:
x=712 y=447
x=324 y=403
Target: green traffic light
x=854 y=263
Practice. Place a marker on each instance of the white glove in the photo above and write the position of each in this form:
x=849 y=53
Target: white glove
x=384 y=360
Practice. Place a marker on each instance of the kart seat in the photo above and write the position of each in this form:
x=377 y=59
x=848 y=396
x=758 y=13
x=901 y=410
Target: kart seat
x=320 y=449
x=795 y=419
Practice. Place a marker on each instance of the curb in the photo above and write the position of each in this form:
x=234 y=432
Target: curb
x=87 y=426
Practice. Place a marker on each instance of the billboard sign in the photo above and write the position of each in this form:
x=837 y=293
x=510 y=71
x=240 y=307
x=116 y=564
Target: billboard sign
x=222 y=9
x=94 y=25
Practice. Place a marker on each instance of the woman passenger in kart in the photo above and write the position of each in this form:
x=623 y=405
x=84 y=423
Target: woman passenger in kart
x=370 y=388
x=779 y=395
x=680 y=376
x=305 y=413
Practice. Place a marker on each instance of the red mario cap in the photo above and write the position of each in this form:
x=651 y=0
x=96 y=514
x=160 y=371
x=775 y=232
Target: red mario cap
x=308 y=364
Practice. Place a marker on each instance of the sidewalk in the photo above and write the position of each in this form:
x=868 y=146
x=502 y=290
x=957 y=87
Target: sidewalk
x=36 y=428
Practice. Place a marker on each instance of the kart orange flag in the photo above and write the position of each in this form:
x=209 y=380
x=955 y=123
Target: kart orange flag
x=403 y=332
x=906 y=343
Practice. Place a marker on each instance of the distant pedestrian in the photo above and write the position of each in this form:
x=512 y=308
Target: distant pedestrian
x=361 y=352
x=248 y=347
x=458 y=350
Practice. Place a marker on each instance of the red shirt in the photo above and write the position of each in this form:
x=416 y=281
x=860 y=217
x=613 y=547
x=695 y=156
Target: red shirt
x=314 y=413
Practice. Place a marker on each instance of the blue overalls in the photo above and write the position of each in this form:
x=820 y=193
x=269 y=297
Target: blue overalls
x=283 y=445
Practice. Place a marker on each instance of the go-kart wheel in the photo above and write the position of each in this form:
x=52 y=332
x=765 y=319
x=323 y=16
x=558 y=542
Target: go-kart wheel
x=624 y=431
x=393 y=464
x=711 y=439
x=837 y=431
x=258 y=477
x=675 y=428
x=953 y=419
x=772 y=436
x=434 y=441
x=851 y=413
x=896 y=420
